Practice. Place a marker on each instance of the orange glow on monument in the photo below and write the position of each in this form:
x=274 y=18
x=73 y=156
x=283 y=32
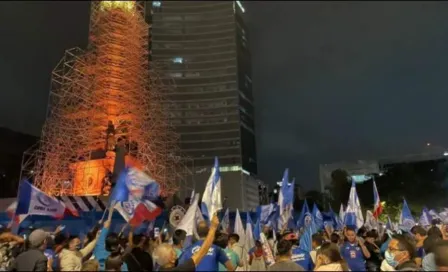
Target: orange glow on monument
x=104 y=100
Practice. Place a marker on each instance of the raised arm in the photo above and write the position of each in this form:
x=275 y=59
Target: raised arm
x=197 y=257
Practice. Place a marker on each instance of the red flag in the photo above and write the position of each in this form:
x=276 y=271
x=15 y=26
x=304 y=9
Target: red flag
x=145 y=211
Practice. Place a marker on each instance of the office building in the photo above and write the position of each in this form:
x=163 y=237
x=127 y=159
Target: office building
x=204 y=47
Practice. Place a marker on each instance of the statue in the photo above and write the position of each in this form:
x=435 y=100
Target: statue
x=110 y=137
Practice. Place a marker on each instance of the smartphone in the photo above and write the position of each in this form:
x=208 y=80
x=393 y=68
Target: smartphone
x=165 y=230
x=62 y=227
x=156 y=232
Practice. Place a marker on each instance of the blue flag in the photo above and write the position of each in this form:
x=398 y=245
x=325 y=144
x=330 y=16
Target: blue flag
x=305 y=216
x=406 y=219
x=317 y=216
x=211 y=199
x=257 y=230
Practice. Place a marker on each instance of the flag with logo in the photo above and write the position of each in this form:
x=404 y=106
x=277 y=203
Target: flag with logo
x=211 y=199
x=305 y=217
x=32 y=201
x=133 y=197
x=266 y=213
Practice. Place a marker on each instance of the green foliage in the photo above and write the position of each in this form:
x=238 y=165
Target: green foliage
x=392 y=210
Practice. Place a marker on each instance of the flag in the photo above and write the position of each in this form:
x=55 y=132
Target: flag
x=434 y=215
x=353 y=214
x=266 y=213
x=211 y=199
x=444 y=216
x=317 y=216
x=136 y=212
x=11 y=212
x=406 y=219
x=389 y=224
x=238 y=228
x=225 y=222
x=285 y=200
x=306 y=237
x=134 y=184
x=32 y=201
x=257 y=230
x=377 y=208
x=189 y=221
x=305 y=218
x=425 y=218
x=371 y=222
x=250 y=243
x=342 y=213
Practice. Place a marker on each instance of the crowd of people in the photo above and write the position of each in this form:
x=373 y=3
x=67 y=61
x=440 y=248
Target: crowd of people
x=215 y=250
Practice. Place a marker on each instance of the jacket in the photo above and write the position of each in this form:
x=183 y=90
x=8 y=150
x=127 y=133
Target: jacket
x=72 y=260
x=330 y=267
x=30 y=260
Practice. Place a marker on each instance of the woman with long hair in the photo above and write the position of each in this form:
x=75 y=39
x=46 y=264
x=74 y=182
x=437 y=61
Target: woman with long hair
x=329 y=259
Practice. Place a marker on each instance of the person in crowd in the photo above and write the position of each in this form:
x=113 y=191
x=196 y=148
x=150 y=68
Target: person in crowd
x=34 y=259
x=420 y=235
x=179 y=237
x=136 y=258
x=215 y=255
x=283 y=260
x=329 y=259
x=166 y=257
x=354 y=251
x=374 y=262
x=316 y=242
x=10 y=246
x=91 y=265
x=257 y=260
x=400 y=254
x=221 y=240
x=71 y=257
x=236 y=247
x=299 y=256
x=107 y=245
x=114 y=262
x=441 y=255
x=91 y=236
x=335 y=239
x=435 y=231
x=428 y=262
x=362 y=233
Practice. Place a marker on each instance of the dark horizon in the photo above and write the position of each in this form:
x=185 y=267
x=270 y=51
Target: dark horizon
x=332 y=81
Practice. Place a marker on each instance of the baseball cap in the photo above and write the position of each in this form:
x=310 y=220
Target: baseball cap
x=37 y=237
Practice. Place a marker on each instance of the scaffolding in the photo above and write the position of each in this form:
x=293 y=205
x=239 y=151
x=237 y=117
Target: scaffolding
x=102 y=97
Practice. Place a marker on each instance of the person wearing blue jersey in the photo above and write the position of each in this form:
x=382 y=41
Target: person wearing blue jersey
x=354 y=251
x=299 y=256
x=420 y=235
x=214 y=256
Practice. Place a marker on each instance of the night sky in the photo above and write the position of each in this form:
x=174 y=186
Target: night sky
x=332 y=81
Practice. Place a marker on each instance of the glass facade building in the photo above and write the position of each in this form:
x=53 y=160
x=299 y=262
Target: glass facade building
x=204 y=47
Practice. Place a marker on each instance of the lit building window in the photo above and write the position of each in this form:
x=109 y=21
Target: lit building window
x=178 y=60
x=156 y=4
x=233 y=168
x=240 y=6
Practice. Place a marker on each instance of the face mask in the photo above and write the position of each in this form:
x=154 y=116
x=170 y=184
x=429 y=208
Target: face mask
x=390 y=259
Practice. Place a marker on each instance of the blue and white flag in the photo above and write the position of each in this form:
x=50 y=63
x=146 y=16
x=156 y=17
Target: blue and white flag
x=444 y=216
x=342 y=213
x=189 y=221
x=406 y=219
x=134 y=185
x=306 y=238
x=265 y=213
x=211 y=199
x=285 y=200
x=32 y=201
x=250 y=243
x=389 y=224
x=239 y=228
x=353 y=214
x=434 y=215
x=425 y=218
x=317 y=216
x=305 y=218
x=225 y=222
